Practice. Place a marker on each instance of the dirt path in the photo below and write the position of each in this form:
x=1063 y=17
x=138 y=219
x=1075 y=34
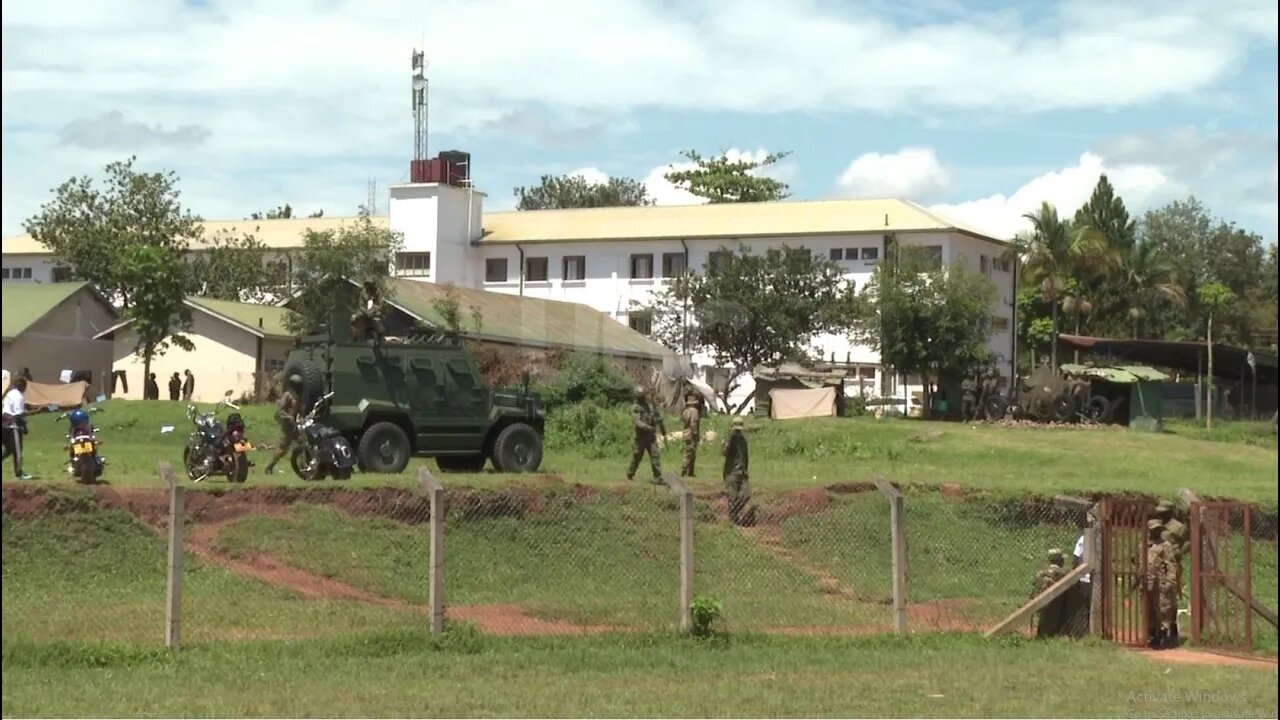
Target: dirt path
x=769 y=539
x=1193 y=656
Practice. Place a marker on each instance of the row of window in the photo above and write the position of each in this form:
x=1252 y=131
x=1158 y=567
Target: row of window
x=866 y=253
x=574 y=267
x=18 y=273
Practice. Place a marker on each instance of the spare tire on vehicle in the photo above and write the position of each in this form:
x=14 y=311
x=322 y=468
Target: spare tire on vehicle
x=312 y=381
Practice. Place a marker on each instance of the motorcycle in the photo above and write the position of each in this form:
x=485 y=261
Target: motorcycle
x=84 y=463
x=213 y=449
x=322 y=451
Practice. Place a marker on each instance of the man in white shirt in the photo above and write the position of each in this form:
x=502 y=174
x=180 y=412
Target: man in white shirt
x=15 y=425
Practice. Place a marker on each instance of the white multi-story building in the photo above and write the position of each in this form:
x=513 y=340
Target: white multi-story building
x=614 y=259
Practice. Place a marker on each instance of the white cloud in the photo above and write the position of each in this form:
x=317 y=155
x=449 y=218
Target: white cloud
x=593 y=176
x=318 y=83
x=913 y=172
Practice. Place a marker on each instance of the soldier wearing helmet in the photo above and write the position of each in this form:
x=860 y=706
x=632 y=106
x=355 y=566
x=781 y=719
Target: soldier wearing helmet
x=287 y=417
x=1053 y=617
x=691 y=417
x=647 y=422
x=1161 y=586
x=737 y=478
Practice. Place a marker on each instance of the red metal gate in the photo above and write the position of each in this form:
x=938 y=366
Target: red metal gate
x=1123 y=570
x=1221 y=575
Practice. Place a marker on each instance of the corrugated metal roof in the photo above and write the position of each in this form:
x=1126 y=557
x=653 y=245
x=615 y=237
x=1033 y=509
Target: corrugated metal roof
x=657 y=222
x=526 y=320
x=722 y=220
x=265 y=320
x=274 y=234
x=24 y=304
x=1118 y=373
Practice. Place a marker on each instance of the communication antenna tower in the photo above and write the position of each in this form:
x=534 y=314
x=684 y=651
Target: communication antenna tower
x=419 y=64
x=372 y=201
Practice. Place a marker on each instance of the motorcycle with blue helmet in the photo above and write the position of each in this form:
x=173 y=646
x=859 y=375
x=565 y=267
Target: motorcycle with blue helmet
x=84 y=463
x=215 y=448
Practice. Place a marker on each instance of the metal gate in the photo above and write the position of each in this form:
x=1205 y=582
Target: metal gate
x=1221 y=570
x=1123 y=570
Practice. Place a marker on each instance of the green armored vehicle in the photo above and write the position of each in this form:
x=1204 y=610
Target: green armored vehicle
x=395 y=400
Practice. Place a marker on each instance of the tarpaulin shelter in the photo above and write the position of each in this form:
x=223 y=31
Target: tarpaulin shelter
x=1135 y=392
x=40 y=396
x=790 y=376
x=790 y=404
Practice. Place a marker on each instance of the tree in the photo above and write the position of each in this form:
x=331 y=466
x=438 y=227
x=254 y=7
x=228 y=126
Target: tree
x=1148 y=275
x=156 y=278
x=93 y=230
x=721 y=180
x=926 y=320
x=1214 y=298
x=750 y=309
x=358 y=251
x=1106 y=213
x=451 y=311
x=1055 y=252
x=284 y=212
x=574 y=191
x=235 y=268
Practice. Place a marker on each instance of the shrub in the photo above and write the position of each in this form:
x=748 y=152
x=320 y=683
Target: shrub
x=589 y=428
x=705 y=611
x=585 y=377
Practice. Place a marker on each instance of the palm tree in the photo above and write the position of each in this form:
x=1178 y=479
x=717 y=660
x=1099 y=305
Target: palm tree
x=1055 y=252
x=1149 y=274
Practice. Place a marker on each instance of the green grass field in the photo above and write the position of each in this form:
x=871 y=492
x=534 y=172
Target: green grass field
x=314 y=604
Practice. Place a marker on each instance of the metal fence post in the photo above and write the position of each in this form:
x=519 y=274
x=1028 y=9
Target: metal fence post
x=435 y=559
x=898 y=540
x=686 y=550
x=173 y=586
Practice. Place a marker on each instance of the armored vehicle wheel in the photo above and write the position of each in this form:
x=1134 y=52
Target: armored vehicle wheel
x=1098 y=409
x=384 y=448
x=463 y=463
x=518 y=448
x=995 y=408
x=312 y=381
x=1062 y=408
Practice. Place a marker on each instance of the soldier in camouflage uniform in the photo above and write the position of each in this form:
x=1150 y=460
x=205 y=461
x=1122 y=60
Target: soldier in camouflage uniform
x=648 y=423
x=1179 y=538
x=1161 y=586
x=366 y=321
x=692 y=419
x=969 y=398
x=1053 y=615
x=737 y=479
x=287 y=408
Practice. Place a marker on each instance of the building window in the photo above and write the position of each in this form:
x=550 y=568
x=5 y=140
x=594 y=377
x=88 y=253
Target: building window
x=5 y=274
x=18 y=273
x=272 y=365
x=984 y=265
x=413 y=264
x=1003 y=264
x=641 y=267
x=575 y=267
x=867 y=373
x=932 y=256
x=716 y=259
x=61 y=274
x=837 y=253
x=870 y=253
x=535 y=269
x=495 y=270
x=999 y=324
x=641 y=322
x=673 y=264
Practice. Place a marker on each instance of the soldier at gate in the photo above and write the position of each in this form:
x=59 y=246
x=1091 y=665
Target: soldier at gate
x=737 y=479
x=1053 y=616
x=691 y=416
x=287 y=417
x=647 y=422
x=1161 y=587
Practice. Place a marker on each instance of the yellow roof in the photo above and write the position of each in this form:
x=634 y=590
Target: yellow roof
x=274 y=234
x=725 y=220
x=662 y=222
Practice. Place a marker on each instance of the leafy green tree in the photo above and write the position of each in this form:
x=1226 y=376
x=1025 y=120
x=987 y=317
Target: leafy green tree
x=235 y=267
x=721 y=180
x=358 y=251
x=574 y=191
x=156 y=278
x=90 y=229
x=1054 y=253
x=926 y=320
x=1106 y=213
x=750 y=309
x=1215 y=298
x=1147 y=277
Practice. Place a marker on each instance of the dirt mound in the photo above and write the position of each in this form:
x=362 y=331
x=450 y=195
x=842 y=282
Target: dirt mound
x=793 y=503
x=851 y=488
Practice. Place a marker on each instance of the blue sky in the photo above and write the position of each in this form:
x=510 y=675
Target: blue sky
x=982 y=109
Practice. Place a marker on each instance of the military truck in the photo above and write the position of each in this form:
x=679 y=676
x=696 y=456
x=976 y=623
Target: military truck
x=426 y=397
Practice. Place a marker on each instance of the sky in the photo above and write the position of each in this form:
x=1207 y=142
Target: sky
x=981 y=109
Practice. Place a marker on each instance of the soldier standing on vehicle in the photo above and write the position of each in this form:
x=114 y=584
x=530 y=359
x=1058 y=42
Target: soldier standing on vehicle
x=692 y=418
x=1052 y=617
x=287 y=416
x=737 y=480
x=366 y=322
x=648 y=423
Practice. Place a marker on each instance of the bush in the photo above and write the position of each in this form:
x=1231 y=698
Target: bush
x=585 y=377
x=590 y=428
x=705 y=612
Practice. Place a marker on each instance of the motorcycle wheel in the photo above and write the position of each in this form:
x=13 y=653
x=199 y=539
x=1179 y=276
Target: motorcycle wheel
x=86 y=471
x=298 y=460
x=239 y=468
x=188 y=463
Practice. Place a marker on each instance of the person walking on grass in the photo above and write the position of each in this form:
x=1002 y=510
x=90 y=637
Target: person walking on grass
x=647 y=422
x=14 y=424
x=692 y=419
x=188 y=386
x=737 y=481
x=287 y=417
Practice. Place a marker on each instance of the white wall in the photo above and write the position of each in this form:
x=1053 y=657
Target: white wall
x=40 y=267
x=223 y=358
x=442 y=220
